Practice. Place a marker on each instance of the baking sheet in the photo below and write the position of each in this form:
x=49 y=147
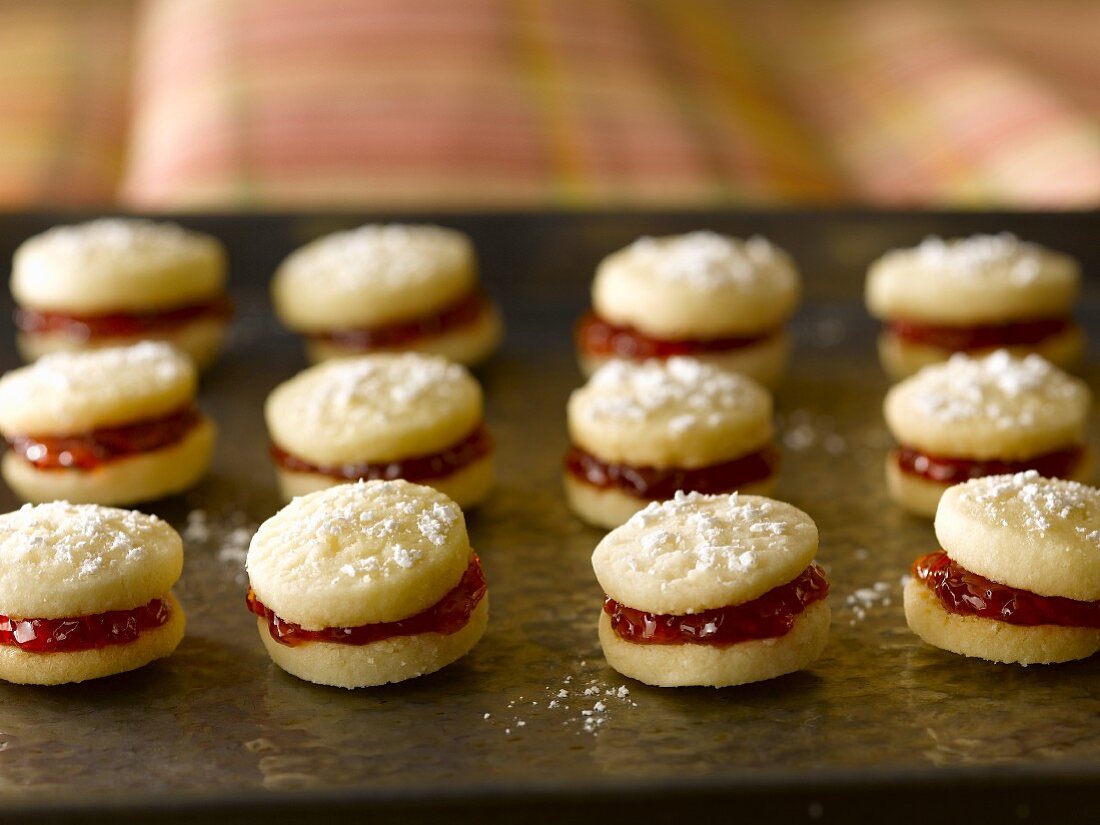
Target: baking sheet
x=534 y=708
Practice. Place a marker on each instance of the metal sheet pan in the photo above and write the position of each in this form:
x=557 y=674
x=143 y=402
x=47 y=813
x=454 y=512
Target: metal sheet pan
x=534 y=720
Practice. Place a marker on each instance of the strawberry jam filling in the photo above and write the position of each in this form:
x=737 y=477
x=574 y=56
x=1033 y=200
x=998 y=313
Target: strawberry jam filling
x=466 y=310
x=659 y=483
x=968 y=594
x=119 y=324
x=476 y=445
x=115 y=627
x=449 y=615
x=991 y=336
x=595 y=336
x=943 y=470
x=767 y=617
x=86 y=451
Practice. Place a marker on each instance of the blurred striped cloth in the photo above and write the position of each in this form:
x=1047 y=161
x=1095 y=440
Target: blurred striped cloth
x=526 y=103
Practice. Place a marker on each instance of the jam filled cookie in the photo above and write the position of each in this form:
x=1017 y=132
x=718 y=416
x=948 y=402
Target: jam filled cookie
x=719 y=299
x=642 y=432
x=108 y=426
x=367 y=583
x=712 y=590
x=410 y=416
x=85 y=592
x=118 y=281
x=973 y=417
x=1018 y=578
x=973 y=295
x=393 y=287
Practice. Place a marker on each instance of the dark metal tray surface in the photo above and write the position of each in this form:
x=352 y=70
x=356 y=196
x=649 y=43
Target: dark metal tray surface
x=533 y=718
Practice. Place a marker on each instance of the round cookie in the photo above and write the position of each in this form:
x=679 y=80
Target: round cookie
x=697 y=553
x=363 y=554
x=669 y=422
x=107 y=426
x=984 y=282
x=708 y=295
x=1024 y=532
x=63 y=561
x=115 y=281
x=387 y=287
x=999 y=409
x=382 y=414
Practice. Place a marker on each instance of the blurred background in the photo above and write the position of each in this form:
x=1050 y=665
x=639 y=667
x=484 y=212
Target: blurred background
x=451 y=104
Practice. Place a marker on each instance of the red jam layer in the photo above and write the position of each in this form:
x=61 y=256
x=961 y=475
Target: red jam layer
x=476 y=445
x=462 y=312
x=963 y=339
x=119 y=324
x=449 y=615
x=1058 y=464
x=595 y=336
x=115 y=627
x=659 y=483
x=86 y=451
x=768 y=617
x=968 y=594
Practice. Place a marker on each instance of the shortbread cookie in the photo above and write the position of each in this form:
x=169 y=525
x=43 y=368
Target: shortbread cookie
x=85 y=592
x=366 y=583
x=712 y=590
x=383 y=288
x=411 y=416
x=117 y=281
x=993 y=415
x=974 y=295
x=106 y=426
x=719 y=299
x=1018 y=578
x=643 y=431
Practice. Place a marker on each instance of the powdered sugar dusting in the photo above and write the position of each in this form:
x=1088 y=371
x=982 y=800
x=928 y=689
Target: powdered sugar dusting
x=1000 y=389
x=706 y=260
x=376 y=389
x=980 y=256
x=682 y=393
x=116 y=239
x=1035 y=504
x=366 y=530
x=384 y=254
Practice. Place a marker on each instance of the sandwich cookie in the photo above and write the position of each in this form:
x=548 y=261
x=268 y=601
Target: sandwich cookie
x=712 y=590
x=1018 y=575
x=410 y=416
x=117 y=281
x=719 y=299
x=107 y=426
x=366 y=583
x=644 y=431
x=973 y=295
x=383 y=288
x=85 y=592
x=973 y=417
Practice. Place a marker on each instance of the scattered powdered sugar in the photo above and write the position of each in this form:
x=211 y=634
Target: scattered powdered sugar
x=706 y=260
x=227 y=534
x=980 y=256
x=685 y=392
x=1044 y=502
x=865 y=599
x=587 y=706
x=384 y=254
x=803 y=429
x=1006 y=391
